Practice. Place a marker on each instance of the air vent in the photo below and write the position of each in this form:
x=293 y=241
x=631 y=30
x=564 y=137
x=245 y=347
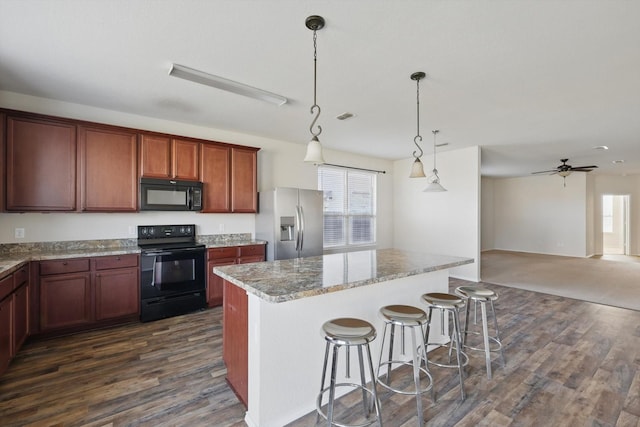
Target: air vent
x=345 y=116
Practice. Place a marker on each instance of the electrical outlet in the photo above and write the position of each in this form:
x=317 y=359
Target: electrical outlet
x=222 y=228
x=19 y=233
x=132 y=230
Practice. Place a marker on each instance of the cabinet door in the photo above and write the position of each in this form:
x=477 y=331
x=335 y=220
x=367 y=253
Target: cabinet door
x=40 y=165
x=215 y=283
x=6 y=332
x=117 y=293
x=185 y=159
x=244 y=180
x=155 y=156
x=109 y=169
x=21 y=316
x=65 y=300
x=215 y=175
x=235 y=339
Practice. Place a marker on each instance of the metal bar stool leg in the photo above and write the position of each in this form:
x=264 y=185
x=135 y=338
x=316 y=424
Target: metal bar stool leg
x=495 y=325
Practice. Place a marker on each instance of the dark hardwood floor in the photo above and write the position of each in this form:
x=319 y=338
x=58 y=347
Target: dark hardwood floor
x=569 y=363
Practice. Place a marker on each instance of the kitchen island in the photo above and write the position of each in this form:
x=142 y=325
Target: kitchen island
x=274 y=311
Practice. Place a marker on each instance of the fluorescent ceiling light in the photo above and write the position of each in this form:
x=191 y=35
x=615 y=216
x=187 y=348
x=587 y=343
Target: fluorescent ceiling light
x=221 y=83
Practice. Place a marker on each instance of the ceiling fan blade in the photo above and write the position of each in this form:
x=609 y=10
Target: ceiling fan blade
x=549 y=171
x=584 y=167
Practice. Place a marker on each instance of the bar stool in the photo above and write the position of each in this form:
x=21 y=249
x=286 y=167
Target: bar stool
x=413 y=318
x=448 y=306
x=347 y=333
x=482 y=296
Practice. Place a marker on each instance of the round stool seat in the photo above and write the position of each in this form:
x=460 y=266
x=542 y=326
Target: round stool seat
x=476 y=293
x=443 y=301
x=404 y=315
x=349 y=331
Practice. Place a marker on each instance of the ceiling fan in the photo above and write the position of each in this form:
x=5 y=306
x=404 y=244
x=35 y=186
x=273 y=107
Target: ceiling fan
x=564 y=170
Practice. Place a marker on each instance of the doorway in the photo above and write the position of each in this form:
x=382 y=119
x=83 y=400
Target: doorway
x=615 y=224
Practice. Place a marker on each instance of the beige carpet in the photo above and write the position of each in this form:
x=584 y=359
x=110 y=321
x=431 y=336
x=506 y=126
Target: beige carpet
x=600 y=280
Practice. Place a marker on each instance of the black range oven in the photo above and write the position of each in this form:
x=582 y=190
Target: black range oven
x=172 y=271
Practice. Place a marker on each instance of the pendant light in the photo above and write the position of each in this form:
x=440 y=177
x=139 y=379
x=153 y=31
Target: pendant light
x=314 y=149
x=417 y=170
x=434 y=180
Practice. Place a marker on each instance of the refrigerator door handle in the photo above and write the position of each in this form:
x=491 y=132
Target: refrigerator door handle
x=297 y=228
x=301 y=228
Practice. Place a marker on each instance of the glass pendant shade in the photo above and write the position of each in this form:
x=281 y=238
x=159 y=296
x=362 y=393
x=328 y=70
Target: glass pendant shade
x=434 y=185
x=314 y=152
x=417 y=170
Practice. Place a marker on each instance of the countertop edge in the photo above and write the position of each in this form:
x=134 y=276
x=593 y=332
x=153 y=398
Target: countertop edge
x=335 y=288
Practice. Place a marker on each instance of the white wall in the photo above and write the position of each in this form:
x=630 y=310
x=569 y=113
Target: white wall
x=279 y=164
x=487 y=215
x=448 y=222
x=537 y=214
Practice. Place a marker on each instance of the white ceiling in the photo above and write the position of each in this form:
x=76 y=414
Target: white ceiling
x=529 y=81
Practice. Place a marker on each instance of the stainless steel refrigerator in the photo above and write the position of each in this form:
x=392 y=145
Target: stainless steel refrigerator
x=291 y=221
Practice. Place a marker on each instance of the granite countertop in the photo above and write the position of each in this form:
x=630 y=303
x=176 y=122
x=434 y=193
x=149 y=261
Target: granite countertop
x=14 y=256
x=286 y=280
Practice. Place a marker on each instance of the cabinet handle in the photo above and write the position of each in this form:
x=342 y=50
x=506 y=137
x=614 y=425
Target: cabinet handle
x=64 y=263
x=117 y=258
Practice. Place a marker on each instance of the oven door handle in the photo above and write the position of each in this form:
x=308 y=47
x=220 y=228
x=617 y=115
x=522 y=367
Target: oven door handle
x=153 y=272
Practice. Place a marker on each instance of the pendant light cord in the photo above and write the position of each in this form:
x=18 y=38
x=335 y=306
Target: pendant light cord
x=315 y=107
x=418 y=138
x=435 y=170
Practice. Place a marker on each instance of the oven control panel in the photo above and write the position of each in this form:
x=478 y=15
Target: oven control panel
x=166 y=231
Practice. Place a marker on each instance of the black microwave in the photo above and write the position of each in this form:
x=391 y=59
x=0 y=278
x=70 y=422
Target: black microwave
x=170 y=195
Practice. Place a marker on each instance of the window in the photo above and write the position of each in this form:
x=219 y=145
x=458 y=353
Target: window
x=607 y=214
x=349 y=206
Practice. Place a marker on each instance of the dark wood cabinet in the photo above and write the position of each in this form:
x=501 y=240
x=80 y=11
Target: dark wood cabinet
x=117 y=288
x=20 y=306
x=65 y=300
x=244 y=180
x=56 y=164
x=185 y=156
x=228 y=256
x=215 y=170
x=109 y=169
x=14 y=314
x=230 y=178
x=235 y=339
x=162 y=156
x=40 y=165
x=82 y=293
x=6 y=332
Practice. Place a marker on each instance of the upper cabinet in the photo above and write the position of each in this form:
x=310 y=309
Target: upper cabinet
x=244 y=180
x=229 y=175
x=109 y=169
x=162 y=156
x=215 y=170
x=40 y=164
x=56 y=164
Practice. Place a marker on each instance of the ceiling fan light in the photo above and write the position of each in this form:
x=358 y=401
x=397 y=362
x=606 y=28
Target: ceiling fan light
x=314 y=152
x=564 y=174
x=417 y=170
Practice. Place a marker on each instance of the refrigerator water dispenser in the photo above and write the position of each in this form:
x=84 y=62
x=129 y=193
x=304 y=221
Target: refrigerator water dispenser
x=287 y=224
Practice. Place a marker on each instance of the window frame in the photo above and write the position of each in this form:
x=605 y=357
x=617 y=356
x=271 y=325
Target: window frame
x=347 y=216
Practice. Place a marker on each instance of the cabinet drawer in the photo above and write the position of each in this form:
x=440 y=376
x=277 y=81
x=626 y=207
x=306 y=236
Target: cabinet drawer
x=251 y=250
x=6 y=286
x=116 y=261
x=64 y=266
x=21 y=276
x=227 y=252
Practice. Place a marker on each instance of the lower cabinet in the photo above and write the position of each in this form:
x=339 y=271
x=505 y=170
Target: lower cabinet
x=82 y=293
x=230 y=255
x=65 y=300
x=235 y=340
x=6 y=332
x=14 y=314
